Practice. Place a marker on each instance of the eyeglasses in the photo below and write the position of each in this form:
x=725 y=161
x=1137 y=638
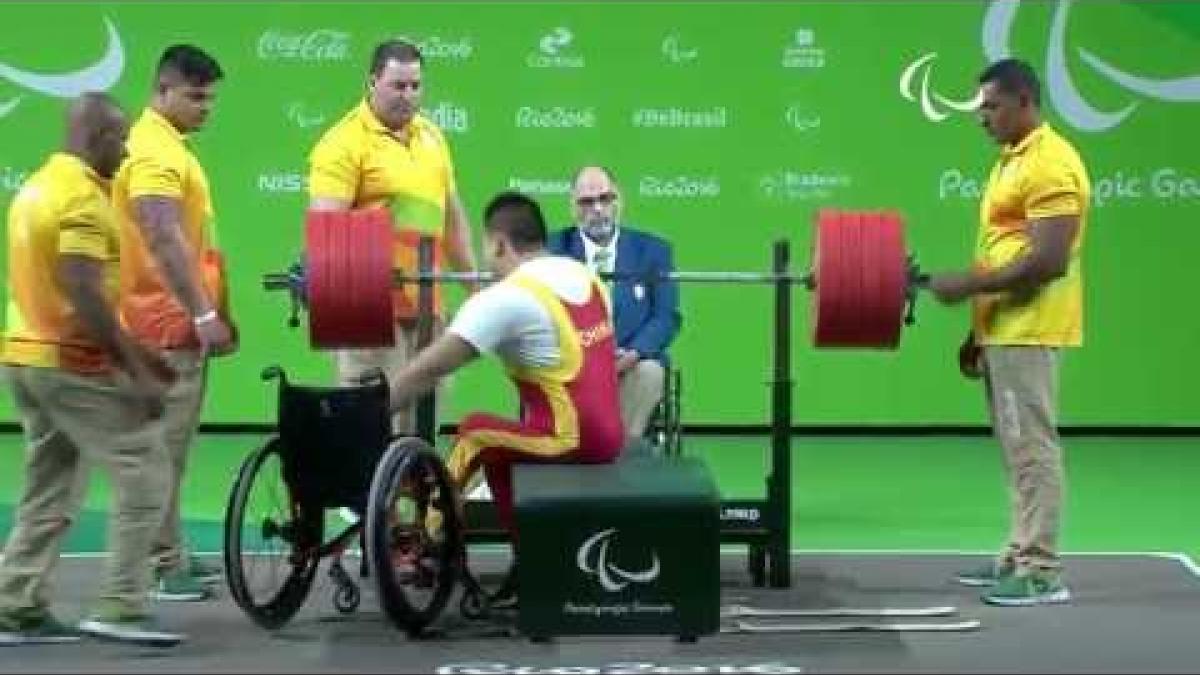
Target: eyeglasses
x=602 y=199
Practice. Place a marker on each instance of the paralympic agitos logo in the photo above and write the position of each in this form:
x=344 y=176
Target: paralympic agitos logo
x=1060 y=89
x=98 y=76
x=592 y=559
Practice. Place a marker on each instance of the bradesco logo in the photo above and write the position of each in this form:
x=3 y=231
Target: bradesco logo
x=592 y=559
x=97 y=76
x=324 y=44
x=554 y=50
x=800 y=185
x=1061 y=90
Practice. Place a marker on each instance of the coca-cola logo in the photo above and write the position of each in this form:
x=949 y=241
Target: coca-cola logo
x=324 y=44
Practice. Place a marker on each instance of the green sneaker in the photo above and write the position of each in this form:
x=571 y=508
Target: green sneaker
x=34 y=627
x=988 y=574
x=1024 y=590
x=133 y=628
x=181 y=586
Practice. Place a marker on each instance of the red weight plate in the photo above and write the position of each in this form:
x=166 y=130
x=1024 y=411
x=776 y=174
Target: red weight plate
x=318 y=260
x=373 y=291
x=854 y=314
x=871 y=322
x=893 y=262
x=349 y=279
x=827 y=300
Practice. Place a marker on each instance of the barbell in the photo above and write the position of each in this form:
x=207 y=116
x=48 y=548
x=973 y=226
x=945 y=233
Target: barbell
x=863 y=280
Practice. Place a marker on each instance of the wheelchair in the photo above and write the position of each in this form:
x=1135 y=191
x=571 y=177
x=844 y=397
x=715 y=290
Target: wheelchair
x=334 y=449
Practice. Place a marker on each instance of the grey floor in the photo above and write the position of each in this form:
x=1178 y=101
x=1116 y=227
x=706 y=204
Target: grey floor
x=1131 y=613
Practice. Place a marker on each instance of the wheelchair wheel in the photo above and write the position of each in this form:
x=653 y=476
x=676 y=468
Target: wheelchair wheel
x=271 y=544
x=415 y=567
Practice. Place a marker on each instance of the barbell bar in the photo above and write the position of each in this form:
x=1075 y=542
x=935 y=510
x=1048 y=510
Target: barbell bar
x=863 y=279
x=400 y=278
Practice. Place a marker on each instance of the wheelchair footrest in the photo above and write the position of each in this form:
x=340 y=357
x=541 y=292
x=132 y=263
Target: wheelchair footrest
x=628 y=548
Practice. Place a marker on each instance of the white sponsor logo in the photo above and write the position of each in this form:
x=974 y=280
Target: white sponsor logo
x=800 y=119
x=748 y=514
x=281 y=181
x=298 y=113
x=687 y=187
x=99 y=76
x=319 y=45
x=450 y=117
x=540 y=186
x=791 y=185
x=803 y=52
x=630 y=668
x=674 y=51
x=716 y=117
x=555 y=117
x=592 y=559
x=617 y=609
x=1167 y=184
x=12 y=178
x=1060 y=88
x=554 y=51
x=438 y=47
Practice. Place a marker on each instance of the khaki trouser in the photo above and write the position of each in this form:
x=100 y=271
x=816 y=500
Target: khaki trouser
x=641 y=390
x=1022 y=388
x=352 y=363
x=178 y=426
x=72 y=423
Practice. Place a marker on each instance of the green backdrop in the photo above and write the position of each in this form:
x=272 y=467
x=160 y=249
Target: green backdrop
x=728 y=125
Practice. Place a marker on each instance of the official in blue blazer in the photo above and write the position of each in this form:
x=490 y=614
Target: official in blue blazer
x=646 y=315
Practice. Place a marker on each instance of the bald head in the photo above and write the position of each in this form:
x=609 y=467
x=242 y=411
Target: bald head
x=596 y=203
x=96 y=131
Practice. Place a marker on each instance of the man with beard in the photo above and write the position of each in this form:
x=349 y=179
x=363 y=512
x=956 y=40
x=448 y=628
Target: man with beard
x=645 y=311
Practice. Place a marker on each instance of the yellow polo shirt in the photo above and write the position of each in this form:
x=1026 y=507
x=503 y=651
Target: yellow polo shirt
x=160 y=164
x=360 y=161
x=1040 y=177
x=62 y=209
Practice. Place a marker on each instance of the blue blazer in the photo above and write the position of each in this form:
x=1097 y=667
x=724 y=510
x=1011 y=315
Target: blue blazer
x=646 y=316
